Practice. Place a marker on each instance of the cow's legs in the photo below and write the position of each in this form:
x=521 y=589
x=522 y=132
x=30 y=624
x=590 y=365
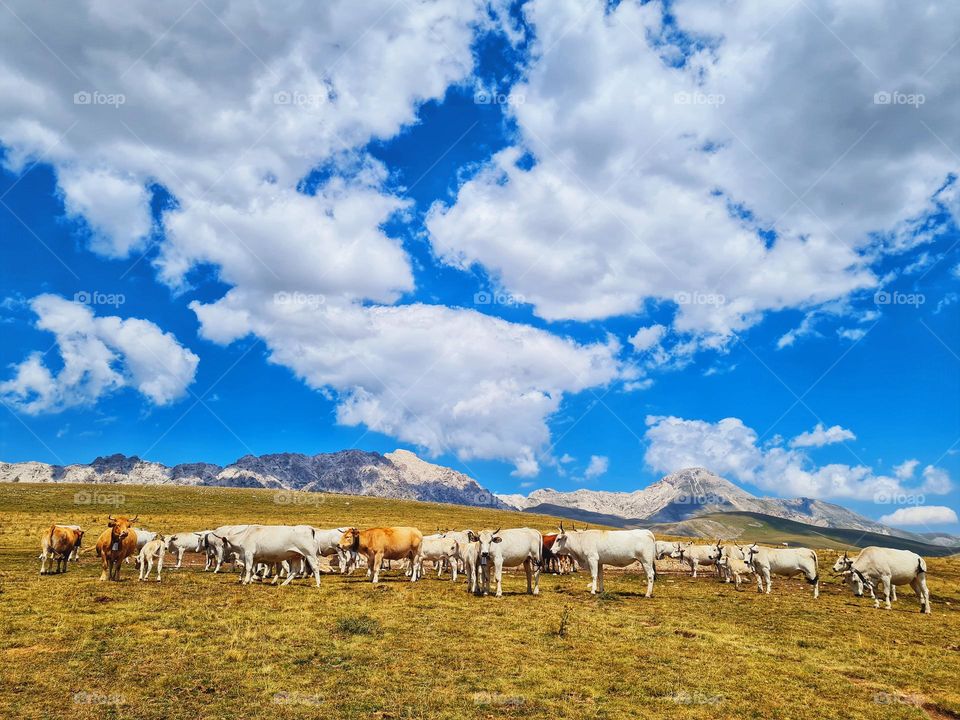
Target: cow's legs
x=106 y=565
x=759 y=576
x=921 y=580
x=893 y=593
x=592 y=562
x=766 y=577
x=375 y=563
x=694 y=564
x=453 y=568
x=180 y=552
x=498 y=570
x=159 y=565
x=651 y=575
x=885 y=586
x=529 y=570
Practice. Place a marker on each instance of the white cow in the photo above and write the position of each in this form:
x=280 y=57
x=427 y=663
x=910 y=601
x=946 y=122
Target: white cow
x=180 y=543
x=889 y=567
x=143 y=537
x=150 y=551
x=510 y=548
x=731 y=562
x=666 y=549
x=695 y=556
x=274 y=544
x=785 y=562
x=470 y=552
x=619 y=548
x=439 y=548
x=213 y=544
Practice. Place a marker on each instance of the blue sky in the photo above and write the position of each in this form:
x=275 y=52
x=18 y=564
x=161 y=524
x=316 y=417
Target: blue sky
x=524 y=243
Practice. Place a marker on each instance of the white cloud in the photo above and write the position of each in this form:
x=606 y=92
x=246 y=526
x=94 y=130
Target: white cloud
x=821 y=435
x=622 y=204
x=647 y=338
x=443 y=379
x=599 y=464
x=906 y=469
x=100 y=355
x=729 y=447
x=851 y=333
x=921 y=515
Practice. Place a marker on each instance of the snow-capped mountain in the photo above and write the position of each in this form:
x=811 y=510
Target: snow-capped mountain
x=400 y=474
x=685 y=494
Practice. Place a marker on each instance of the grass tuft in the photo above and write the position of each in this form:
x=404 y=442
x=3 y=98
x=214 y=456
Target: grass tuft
x=361 y=625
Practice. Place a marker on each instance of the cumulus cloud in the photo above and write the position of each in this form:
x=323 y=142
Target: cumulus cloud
x=599 y=464
x=729 y=447
x=921 y=515
x=100 y=355
x=662 y=173
x=821 y=435
x=647 y=338
x=906 y=469
x=441 y=378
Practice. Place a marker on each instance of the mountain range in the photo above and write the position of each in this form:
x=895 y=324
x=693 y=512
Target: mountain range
x=684 y=495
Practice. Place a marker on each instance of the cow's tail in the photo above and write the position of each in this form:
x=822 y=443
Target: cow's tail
x=53 y=530
x=816 y=569
x=921 y=565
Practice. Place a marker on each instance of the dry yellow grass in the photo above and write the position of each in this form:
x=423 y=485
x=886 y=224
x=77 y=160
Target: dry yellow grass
x=200 y=646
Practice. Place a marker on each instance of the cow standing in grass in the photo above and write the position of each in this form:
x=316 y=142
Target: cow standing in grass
x=386 y=543
x=58 y=544
x=510 y=548
x=153 y=550
x=619 y=548
x=696 y=556
x=115 y=544
x=888 y=567
x=272 y=545
x=181 y=543
x=731 y=562
x=785 y=562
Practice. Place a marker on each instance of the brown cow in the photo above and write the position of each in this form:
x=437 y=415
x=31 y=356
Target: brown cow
x=58 y=543
x=389 y=543
x=116 y=543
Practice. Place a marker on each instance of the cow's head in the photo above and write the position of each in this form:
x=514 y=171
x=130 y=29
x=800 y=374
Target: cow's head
x=487 y=540
x=749 y=554
x=716 y=554
x=843 y=564
x=79 y=537
x=120 y=526
x=680 y=550
x=350 y=540
x=561 y=544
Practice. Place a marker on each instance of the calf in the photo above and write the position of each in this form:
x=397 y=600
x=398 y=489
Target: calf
x=439 y=548
x=730 y=560
x=154 y=549
x=116 y=544
x=889 y=567
x=510 y=548
x=181 y=543
x=386 y=543
x=58 y=544
x=619 y=548
x=784 y=562
x=695 y=556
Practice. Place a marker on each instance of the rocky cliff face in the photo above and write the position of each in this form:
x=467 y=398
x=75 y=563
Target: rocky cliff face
x=691 y=492
x=400 y=474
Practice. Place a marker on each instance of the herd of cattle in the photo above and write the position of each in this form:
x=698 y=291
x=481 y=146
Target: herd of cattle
x=291 y=551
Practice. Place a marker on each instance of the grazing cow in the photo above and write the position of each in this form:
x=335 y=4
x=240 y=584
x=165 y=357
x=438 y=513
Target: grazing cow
x=666 y=549
x=154 y=549
x=619 y=548
x=181 y=543
x=116 y=544
x=695 y=556
x=438 y=548
x=889 y=567
x=58 y=544
x=785 y=562
x=858 y=587
x=510 y=548
x=386 y=543
x=272 y=544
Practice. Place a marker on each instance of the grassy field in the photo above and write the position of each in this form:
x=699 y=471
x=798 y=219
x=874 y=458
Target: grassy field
x=200 y=646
